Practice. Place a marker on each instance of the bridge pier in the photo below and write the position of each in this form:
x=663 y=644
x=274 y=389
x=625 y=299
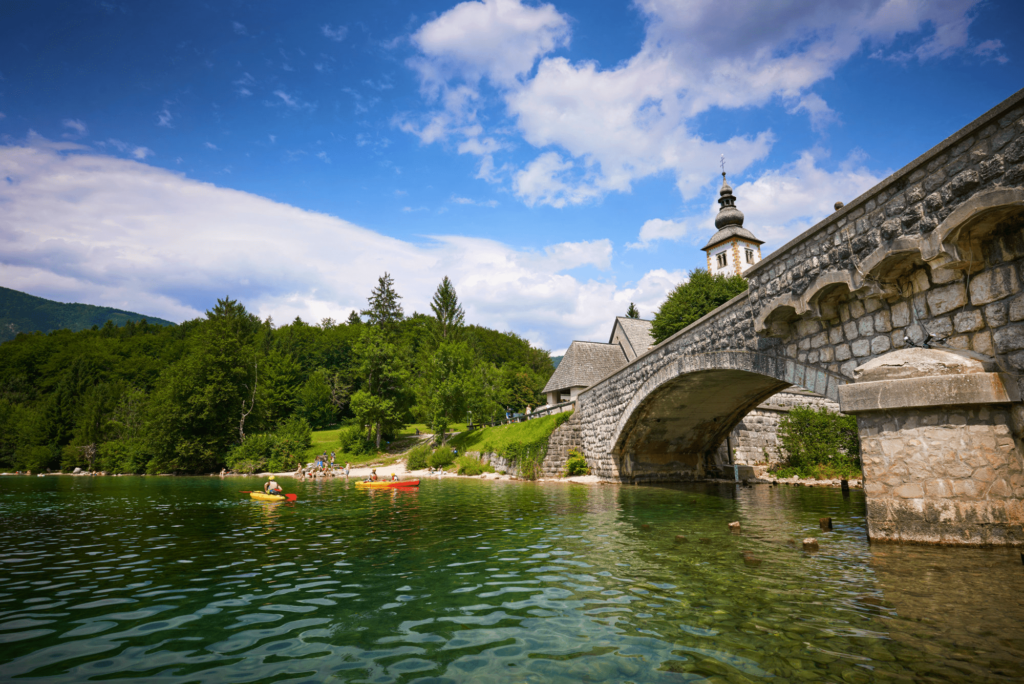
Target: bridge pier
x=942 y=462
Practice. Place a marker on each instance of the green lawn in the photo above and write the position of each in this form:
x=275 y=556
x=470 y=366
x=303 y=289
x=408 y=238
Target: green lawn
x=497 y=439
x=422 y=427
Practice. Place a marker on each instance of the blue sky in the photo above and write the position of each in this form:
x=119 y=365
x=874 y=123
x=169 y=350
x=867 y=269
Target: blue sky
x=556 y=160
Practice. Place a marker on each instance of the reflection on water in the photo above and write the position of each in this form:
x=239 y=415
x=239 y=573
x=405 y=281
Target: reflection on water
x=188 y=580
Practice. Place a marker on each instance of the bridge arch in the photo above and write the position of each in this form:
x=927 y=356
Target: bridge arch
x=678 y=417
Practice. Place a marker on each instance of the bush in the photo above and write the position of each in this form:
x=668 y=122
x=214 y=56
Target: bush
x=821 y=444
x=576 y=464
x=441 y=457
x=352 y=440
x=122 y=456
x=417 y=459
x=467 y=465
x=254 y=454
x=294 y=437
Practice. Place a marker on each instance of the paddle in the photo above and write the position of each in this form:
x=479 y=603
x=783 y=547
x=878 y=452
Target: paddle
x=290 y=497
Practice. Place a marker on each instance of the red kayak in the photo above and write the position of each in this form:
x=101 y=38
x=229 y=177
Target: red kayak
x=384 y=484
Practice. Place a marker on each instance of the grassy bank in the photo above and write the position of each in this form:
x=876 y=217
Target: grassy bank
x=523 y=444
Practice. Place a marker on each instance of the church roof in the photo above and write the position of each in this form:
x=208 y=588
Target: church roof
x=729 y=220
x=637 y=331
x=584 y=364
x=731 y=232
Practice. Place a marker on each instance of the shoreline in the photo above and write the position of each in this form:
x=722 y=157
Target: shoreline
x=363 y=472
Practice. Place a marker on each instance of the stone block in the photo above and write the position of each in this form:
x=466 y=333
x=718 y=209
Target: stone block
x=883 y=321
x=900 y=314
x=807 y=327
x=941 y=327
x=896 y=338
x=861 y=347
x=843 y=352
x=1016 y=312
x=872 y=304
x=819 y=340
x=996 y=314
x=910 y=490
x=866 y=326
x=993 y=284
x=1009 y=338
x=856 y=308
x=835 y=335
x=942 y=300
x=938 y=489
x=968 y=321
x=915 y=333
x=850 y=330
x=880 y=344
x=959 y=342
x=982 y=343
x=919 y=279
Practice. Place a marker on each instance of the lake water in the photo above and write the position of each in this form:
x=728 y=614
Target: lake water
x=178 y=580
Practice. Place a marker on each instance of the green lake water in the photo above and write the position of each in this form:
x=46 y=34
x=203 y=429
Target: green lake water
x=179 y=580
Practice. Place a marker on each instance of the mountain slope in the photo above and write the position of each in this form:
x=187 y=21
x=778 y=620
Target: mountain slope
x=25 y=313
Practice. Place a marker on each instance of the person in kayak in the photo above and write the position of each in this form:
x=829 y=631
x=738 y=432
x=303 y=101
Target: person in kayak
x=272 y=487
x=394 y=477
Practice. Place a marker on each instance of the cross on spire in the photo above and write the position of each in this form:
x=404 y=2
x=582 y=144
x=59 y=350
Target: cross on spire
x=723 y=166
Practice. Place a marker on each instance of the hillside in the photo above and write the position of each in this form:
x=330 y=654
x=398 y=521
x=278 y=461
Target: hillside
x=20 y=312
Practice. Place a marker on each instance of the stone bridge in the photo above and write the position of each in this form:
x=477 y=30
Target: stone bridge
x=905 y=305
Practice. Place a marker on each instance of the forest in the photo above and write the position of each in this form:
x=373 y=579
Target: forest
x=143 y=398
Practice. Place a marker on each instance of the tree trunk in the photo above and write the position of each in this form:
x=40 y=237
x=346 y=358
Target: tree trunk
x=378 y=435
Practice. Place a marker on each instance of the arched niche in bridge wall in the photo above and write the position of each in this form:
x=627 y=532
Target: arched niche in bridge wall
x=677 y=419
x=959 y=243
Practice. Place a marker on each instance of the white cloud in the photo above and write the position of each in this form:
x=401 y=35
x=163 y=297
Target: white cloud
x=778 y=205
x=335 y=34
x=293 y=102
x=467 y=201
x=599 y=130
x=497 y=39
x=142 y=152
x=80 y=226
x=210 y=146
x=165 y=118
x=77 y=126
x=661 y=229
x=239 y=28
x=991 y=49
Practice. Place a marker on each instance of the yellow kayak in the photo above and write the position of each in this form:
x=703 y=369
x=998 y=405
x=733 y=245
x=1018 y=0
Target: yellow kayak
x=385 y=484
x=260 y=496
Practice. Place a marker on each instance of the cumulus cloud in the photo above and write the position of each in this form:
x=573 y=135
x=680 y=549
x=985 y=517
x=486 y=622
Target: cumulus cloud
x=81 y=226
x=599 y=130
x=778 y=205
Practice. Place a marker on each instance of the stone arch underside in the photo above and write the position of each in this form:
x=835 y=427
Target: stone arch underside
x=673 y=424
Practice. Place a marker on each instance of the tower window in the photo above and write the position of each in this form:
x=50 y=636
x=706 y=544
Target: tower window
x=721 y=260
x=750 y=256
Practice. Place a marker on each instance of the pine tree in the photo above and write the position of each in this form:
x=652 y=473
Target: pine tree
x=385 y=312
x=632 y=311
x=353 y=318
x=448 y=314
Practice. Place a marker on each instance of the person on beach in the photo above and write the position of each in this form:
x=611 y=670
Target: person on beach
x=347 y=466
x=272 y=487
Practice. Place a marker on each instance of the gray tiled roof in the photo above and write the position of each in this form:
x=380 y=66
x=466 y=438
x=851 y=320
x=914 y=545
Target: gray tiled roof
x=637 y=331
x=584 y=364
x=729 y=232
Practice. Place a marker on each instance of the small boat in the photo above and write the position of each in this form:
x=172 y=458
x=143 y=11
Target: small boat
x=260 y=496
x=384 y=484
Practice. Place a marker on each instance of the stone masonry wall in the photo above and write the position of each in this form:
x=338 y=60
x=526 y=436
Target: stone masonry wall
x=756 y=434
x=958 y=467
x=565 y=438
x=978 y=312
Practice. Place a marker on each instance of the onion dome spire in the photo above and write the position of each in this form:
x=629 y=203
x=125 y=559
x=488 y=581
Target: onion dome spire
x=728 y=215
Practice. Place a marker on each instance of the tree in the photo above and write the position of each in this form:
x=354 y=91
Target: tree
x=381 y=365
x=632 y=311
x=699 y=295
x=448 y=314
x=384 y=312
x=353 y=318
